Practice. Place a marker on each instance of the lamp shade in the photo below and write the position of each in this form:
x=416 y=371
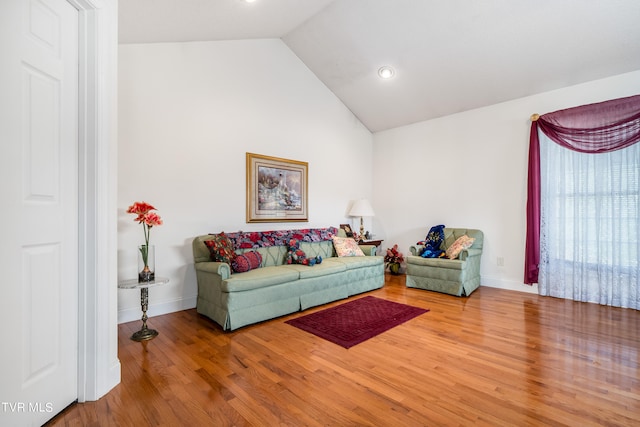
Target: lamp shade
x=361 y=208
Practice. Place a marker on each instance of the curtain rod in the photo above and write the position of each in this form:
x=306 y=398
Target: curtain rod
x=534 y=117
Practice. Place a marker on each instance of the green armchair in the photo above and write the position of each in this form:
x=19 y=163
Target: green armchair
x=460 y=276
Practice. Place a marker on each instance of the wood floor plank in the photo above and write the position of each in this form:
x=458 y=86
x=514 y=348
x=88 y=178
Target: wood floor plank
x=496 y=358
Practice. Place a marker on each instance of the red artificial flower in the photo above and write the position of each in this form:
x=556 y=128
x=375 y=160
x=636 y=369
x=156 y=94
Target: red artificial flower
x=148 y=219
x=151 y=219
x=140 y=208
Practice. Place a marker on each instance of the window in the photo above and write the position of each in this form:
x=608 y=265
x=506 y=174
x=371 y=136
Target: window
x=589 y=232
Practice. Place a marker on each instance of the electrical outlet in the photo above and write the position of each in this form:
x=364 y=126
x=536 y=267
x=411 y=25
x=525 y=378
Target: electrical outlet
x=500 y=261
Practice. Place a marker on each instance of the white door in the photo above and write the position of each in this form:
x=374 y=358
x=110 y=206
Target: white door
x=39 y=209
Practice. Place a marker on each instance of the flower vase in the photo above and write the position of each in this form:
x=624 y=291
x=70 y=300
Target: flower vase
x=146 y=263
x=394 y=267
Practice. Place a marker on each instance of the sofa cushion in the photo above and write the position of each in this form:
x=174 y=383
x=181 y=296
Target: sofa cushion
x=220 y=248
x=461 y=243
x=259 y=278
x=295 y=255
x=346 y=246
x=323 y=249
x=327 y=267
x=359 y=261
x=453 y=264
x=274 y=255
x=247 y=261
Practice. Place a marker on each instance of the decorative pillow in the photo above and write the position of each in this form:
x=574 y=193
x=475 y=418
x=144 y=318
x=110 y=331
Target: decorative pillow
x=346 y=246
x=461 y=243
x=247 y=261
x=295 y=255
x=220 y=248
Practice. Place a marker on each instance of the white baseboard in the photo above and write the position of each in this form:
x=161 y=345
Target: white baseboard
x=113 y=378
x=510 y=285
x=157 y=309
x=165 y=307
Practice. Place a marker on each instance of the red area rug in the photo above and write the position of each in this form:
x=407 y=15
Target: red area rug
x=356 y=321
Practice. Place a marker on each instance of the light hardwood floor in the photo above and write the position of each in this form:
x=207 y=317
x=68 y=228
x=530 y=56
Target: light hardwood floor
x=497 y=358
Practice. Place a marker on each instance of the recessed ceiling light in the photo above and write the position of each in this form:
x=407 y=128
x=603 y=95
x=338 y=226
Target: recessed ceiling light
x=386 y=72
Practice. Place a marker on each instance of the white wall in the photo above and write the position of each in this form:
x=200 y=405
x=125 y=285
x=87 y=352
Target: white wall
x=470 y=170
x=188 y=113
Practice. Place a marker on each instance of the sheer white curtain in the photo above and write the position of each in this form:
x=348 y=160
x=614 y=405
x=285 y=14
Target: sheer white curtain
x=589 y=225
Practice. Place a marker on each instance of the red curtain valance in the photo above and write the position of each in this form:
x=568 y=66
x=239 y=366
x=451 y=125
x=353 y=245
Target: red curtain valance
x=594 y=128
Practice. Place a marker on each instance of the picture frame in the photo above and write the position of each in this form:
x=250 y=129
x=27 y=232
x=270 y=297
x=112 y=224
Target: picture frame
x=277 y=189
x=347 y=229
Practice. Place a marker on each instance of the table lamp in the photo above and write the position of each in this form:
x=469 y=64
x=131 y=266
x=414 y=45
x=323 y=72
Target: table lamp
x=361 y=208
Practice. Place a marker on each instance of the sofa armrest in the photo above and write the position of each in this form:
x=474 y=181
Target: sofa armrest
x=416 y=250
x=468 y=253
x=369 y=250
x=222 y=269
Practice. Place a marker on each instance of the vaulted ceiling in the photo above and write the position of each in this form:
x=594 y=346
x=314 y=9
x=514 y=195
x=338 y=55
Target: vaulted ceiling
x=449 y=56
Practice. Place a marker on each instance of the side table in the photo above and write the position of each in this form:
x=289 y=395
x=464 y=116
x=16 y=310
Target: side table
x=144 y=333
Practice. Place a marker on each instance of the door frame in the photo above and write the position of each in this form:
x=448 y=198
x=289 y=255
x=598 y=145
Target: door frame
x=98 y=363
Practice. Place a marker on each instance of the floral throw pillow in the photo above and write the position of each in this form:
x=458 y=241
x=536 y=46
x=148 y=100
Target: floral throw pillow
x=346 y=246
x=461 y=243
x=221 y=249
x=247 y=261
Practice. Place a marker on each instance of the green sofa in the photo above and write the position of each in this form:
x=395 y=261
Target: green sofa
x=276 y=288
x=460 y=276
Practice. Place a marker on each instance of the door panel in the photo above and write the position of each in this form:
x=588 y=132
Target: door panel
x=39 y=194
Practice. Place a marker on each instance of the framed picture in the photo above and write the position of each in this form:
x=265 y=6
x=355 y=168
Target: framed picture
x=277 y=189
x=347 y=229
